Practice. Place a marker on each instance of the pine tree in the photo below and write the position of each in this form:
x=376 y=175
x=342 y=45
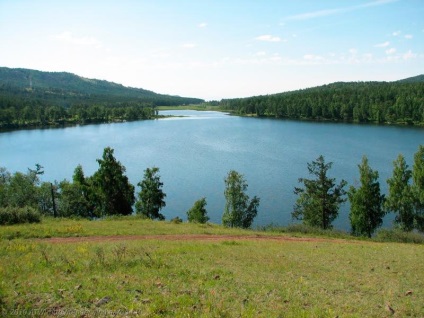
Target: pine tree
x=366 y=202
x=116 y=194
x=151 y=197
x=319 y=201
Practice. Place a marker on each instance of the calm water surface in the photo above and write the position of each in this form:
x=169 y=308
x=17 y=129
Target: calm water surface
x=194 y=154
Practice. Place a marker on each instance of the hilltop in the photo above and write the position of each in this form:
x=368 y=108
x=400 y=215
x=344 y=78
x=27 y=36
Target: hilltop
x=30 y=98
x=55 y=87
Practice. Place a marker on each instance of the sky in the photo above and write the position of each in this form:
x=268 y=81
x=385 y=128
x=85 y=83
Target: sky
x=215 y=49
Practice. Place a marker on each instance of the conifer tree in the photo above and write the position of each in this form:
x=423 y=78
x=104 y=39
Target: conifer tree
x=366 y=202
x=319 y=201
x=151 y=197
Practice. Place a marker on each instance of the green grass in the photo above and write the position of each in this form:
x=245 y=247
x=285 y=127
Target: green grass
x=131 y=225
x=230 y=278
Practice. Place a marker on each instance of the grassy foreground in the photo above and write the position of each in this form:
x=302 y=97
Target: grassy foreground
x=202 y=278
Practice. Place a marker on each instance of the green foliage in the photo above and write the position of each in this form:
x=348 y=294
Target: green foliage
x=319 y=201
x=366 y=202
x=116 y=194
x=400 y=198
x=18 y=215
x=19 y=189
x=73 y=202
x=151 y=198
x=239 y=212
x=418 y=188
x=399 y=236
x=64 y=98
x=308 y=230
x=198 y=213
x=380 y=102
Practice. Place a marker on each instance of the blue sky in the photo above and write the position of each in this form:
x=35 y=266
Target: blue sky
x=216 y=49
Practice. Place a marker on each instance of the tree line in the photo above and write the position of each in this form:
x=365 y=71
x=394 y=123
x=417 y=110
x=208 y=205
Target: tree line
x=108 y=192
x=31 y=98
x=360 y=102
x=319 y=199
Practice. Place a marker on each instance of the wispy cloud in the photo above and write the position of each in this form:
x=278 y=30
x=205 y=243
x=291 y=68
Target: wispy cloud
x=202 y=25
x=68 y=37
x=408 y=36
x=391 y=51
x=189 y=45
x=396 y=33
x=328 y=12
x=268 y=38
x=384 y=44
x=409 y=55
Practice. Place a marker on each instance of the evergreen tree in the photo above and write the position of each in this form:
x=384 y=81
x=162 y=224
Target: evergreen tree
x=239 y=211
x=198 y=212
x=116 y=194
x=400 y=198
x=418 y=187
x=151 y=197
x=366 y=202
x=319 y=201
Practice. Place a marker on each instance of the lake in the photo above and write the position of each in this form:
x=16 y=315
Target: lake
x=195 y=153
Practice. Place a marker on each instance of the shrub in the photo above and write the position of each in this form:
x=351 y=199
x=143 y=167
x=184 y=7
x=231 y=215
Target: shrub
x=397 y=235
x=15 y=215
x=299 y=228
x=198 y=213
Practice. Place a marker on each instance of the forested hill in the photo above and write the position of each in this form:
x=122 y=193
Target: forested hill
x=380 y=102
x=30 y=98
x=69 y=88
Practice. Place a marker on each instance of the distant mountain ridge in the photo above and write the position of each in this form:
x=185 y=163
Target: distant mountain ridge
x=75 y=87
x=415 y=79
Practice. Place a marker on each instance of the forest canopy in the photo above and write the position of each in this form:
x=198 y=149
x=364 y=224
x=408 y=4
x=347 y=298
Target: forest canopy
x=34 y=98
x=400 y=102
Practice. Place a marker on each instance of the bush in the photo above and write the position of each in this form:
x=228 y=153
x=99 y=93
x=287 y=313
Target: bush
x=305 y=229
x=399 y=236
x=14 y=215
x=198 y=213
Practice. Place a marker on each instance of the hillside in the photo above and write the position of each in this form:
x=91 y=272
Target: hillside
x=415 y=79
x=400 y=102
x=163 y=269
x=30 y=98
x=74 y=87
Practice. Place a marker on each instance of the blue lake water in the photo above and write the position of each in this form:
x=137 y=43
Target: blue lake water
x=194 y=154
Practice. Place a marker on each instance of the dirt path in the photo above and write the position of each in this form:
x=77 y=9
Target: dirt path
x=189 y=237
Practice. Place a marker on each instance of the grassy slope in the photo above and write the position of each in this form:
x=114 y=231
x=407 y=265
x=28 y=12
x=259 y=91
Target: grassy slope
x=155 y=278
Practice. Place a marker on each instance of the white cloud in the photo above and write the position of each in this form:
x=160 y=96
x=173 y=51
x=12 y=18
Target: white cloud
x=202 y=25
x=189 y=45
x=408 y=36
x=391 y=51
x=396 y=33
x=268 y=38
x=68 y=37
x=260 y=53
x=384 y=44
x=409 y=55
x=313 y=57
